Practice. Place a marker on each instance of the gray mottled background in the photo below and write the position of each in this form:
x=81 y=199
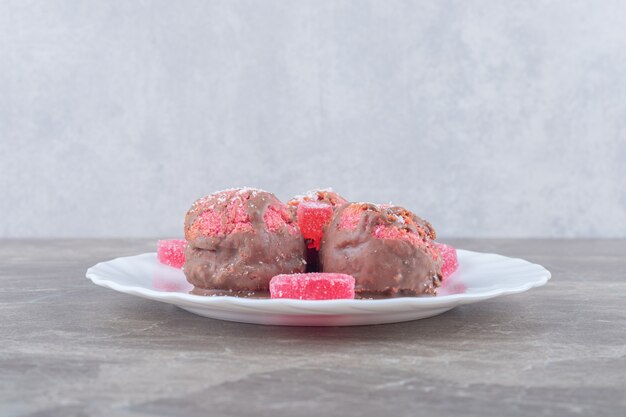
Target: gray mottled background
x=489 y=118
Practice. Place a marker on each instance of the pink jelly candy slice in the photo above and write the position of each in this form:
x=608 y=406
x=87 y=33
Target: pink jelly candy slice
x=172 y=252
x=312 y=217
x=312 y=286
x=450 y=261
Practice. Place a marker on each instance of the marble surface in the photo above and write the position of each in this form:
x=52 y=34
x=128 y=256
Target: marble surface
x=478 y=108
x=70 y=348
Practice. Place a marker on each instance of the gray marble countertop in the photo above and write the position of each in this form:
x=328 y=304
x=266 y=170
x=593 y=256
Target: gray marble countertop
x=70 y=348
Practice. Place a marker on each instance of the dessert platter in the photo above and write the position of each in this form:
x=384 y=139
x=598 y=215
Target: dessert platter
x=317 y=260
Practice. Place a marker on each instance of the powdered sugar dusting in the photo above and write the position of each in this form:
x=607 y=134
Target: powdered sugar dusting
x=322 y=195
x=312 y=194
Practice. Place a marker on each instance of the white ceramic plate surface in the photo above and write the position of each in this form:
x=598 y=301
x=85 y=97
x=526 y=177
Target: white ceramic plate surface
x=480 y=276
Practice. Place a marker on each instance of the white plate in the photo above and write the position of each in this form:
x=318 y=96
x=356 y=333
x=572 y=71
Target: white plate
x=480 y=276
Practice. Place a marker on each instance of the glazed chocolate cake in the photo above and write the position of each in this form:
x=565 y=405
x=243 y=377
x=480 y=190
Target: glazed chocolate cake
x=387 y=249
x=239 y=239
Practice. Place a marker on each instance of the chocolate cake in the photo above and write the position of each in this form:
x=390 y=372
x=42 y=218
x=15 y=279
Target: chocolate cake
x=239 y=239
x=387 y=249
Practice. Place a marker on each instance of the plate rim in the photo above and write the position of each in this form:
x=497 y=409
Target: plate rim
x=543 y=275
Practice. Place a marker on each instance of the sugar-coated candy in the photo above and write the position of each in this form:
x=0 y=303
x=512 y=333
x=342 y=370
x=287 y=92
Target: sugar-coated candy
x=312 y=217
x=450 y=260
x=312 y=286
x=172 y=252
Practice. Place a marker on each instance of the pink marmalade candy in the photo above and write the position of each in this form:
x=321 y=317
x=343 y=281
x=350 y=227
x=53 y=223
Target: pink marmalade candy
x=172 y=252
x=312 y=286
x=450 y=261
x=312 y=217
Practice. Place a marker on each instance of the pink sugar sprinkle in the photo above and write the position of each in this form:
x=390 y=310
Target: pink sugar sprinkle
x=350 y=218
x=390 y=232
x=276 y=217
x=172 y=252
x=312 y=286
x=450 y=259
x=236 y=211
x=273 y=218
x=312 y=217
x=233 y=219
x=209 y=223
